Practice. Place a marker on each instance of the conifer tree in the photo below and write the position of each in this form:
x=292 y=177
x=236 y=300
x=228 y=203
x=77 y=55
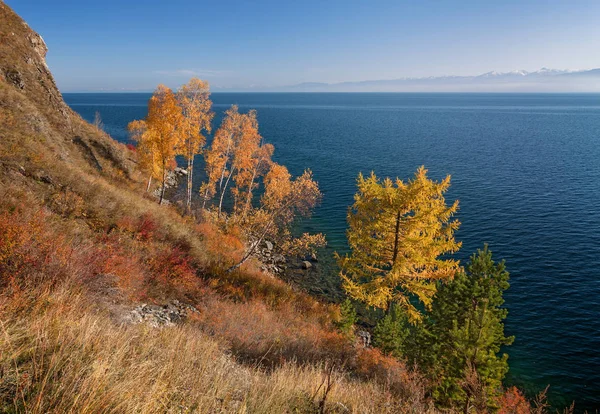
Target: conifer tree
x=460 y=339
x=347 y=318
x=391 y=332
x=398 y=234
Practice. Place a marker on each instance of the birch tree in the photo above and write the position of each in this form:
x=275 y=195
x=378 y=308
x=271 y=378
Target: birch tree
x=194 y=100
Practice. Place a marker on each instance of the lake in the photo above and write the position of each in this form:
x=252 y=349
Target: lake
x=525 y=167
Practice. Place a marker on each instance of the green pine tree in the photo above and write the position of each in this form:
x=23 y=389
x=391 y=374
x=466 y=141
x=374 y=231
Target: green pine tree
x=347 y=318
x=458 y=344
x=391 y=332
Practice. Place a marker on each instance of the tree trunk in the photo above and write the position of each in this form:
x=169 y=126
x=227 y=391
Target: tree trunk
x=252 y=249
x=164 y=179
x=249 y=197
x=205 y=198
x=189 y=183
x=225 y=164
x=225 y=189
x=149 y=182
x=396 y=239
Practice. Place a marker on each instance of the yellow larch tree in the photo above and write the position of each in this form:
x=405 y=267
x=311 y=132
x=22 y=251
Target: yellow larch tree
x=194 y=100
x=399 y=234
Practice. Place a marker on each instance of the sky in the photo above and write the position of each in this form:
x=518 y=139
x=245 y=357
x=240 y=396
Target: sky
x=116 y=45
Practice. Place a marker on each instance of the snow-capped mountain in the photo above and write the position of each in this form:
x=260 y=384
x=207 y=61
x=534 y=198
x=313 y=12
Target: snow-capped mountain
x=543 y=80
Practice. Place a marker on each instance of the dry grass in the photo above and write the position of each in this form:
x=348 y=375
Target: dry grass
x=62 y=356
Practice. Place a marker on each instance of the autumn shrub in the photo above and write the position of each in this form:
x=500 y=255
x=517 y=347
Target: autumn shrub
x=127 y=267
x=512 y=401
x=146 y=227
x=223 y=248
x=32 y=253
x=171 y=274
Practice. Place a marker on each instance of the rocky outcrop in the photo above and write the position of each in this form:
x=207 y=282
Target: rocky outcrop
x=161 y=316
x=30 y=98
x=23 y=65
x=278 y=264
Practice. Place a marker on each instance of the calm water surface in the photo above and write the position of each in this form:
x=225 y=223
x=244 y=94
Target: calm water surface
x=526 y=169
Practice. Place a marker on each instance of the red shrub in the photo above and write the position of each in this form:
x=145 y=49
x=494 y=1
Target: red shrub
x=131 y=147
x=146 y=227
x=172 y=274
x=33 y=252
x=127 y=268
x=513 y=402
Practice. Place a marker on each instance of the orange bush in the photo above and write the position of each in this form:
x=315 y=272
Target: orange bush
x=29 y=251
x=171 y=274
x=224 y=249
x=371 y=364
x=513 y=402
x=127 y=268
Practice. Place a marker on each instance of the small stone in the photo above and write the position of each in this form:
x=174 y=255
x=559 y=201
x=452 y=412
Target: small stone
x=279 y=258
x=313 y=257
x=269 y=245
x=306 y=264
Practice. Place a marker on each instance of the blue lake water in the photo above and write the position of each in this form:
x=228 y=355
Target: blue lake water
x=525 y=167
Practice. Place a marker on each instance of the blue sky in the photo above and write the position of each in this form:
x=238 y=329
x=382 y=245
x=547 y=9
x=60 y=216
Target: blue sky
x=134 y=45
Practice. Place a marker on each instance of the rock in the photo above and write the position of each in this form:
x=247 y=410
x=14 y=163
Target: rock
x=15 y=78
x=313 y=257
x=306 y=264
x=365 y=338
x=161 y=316
x=269 y=245
x=279 y=258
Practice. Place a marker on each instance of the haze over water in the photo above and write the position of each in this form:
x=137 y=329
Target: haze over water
x=525 y=167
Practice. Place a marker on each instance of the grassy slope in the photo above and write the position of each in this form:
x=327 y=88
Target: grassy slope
x=80 y=245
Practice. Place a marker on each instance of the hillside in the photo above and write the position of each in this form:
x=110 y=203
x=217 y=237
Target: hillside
x=112 y=303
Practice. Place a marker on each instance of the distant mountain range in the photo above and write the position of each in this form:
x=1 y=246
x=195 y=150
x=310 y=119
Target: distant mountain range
x=543 y=80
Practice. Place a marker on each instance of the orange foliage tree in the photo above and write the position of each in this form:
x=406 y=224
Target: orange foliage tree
x=194 y=100
x=145 y=150
x=160 y=133
x=237 y=161
x=237 y=155
x=219 y=157
x=283 y=200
